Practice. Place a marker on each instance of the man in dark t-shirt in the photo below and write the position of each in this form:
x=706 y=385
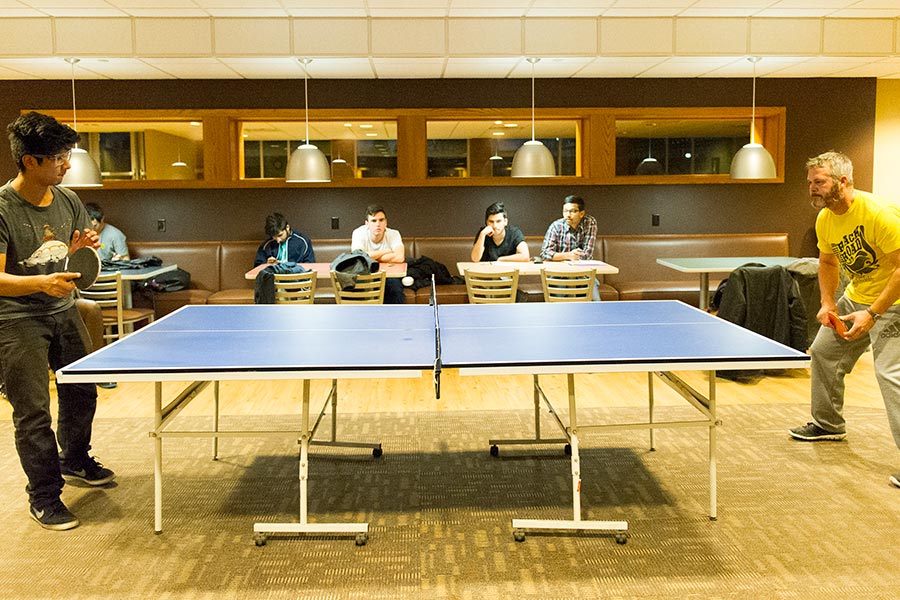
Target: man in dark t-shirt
x=498 y=240
x=40 y=225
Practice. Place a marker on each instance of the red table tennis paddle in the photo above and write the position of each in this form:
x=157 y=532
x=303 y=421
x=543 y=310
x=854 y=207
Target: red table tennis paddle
x=837 y=324
x=86 y=261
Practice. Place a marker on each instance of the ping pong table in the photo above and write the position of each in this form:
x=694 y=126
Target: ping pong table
x=207 y=344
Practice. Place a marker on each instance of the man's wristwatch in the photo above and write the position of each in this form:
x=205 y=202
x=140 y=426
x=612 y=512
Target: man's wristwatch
x=875 y=316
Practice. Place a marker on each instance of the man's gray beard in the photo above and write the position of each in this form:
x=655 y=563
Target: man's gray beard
x=818 y=203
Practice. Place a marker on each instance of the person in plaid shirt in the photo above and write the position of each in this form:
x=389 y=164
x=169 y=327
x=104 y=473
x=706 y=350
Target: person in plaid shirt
x=573 y=236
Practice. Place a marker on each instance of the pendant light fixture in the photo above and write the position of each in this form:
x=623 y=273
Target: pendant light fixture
x=179 y=162
x=649 y=166
x=753 y=161
x=83 y=171
x=308 y=163
x=533 y=159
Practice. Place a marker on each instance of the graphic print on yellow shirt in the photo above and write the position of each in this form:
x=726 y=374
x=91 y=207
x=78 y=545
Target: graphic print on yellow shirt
x=858 y=239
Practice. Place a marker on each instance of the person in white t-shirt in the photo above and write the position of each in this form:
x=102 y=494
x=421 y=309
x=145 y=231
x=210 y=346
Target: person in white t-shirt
x=383 y=244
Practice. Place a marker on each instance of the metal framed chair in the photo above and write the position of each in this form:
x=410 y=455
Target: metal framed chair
x=107 y=292
x=295 y=288
x=368 y=289
x=492 y=287
x=567 y=285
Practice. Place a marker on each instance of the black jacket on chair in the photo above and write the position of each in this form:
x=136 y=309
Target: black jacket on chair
x=766 y=300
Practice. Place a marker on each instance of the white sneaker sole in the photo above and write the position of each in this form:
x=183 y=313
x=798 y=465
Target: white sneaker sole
x=894 y=481
x=829 y=437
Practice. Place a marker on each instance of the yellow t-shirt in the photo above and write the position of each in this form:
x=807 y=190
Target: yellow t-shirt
x=859 y=238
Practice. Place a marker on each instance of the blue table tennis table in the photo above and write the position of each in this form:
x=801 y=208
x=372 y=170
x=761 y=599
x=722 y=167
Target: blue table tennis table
x=208 y=344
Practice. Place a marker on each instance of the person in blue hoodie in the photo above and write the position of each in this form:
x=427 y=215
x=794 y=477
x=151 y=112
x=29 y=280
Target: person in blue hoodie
x=282 y=244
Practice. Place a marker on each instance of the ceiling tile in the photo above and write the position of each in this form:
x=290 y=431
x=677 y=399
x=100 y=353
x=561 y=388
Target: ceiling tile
x=26 y=37
x=121 y=68
x=264 y=68
x=398 y=37
x=688 y=66
x=821 y=66
x=95 y=37
x=172 y=37
x=858 y=36
x=545 y=37
x=551 y=67
x=251 y=37
x=496 y=68
x=636 y=36
x=331 y=37
x=396 y=68
x=341 y=68
x=767 y=65
x=785 y=36
x=711 y=36
x=619 y=66
x=192 y=68
x=495 y=37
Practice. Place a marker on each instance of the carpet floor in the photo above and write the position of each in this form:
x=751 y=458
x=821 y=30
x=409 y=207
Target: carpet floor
x=795 y=520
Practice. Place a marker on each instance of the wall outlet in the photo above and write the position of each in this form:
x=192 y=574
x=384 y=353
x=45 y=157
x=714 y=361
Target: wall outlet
x=160 y=225
x=335 y=222
x=654 y=220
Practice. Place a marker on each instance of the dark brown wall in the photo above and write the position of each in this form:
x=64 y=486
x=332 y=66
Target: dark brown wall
x=815 y=123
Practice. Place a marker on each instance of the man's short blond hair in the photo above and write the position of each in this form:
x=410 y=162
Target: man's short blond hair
x=838 y=165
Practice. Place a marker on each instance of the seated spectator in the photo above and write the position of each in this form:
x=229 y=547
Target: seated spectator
x=283 y=244
x=383 y=244
x=112 y=241
x=498 y=240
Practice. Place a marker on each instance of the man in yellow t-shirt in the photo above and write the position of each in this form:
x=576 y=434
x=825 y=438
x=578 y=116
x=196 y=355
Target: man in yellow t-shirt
x=859 y=233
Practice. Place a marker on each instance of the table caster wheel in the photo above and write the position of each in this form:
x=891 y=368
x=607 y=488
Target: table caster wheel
x=519 y=535
x=260 y=539
x=361 y=539
x=376 y=452
x=495 y=450
x=567 y=449
x=621 y=538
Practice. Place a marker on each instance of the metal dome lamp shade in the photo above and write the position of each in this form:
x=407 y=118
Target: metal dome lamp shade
x=649 y=166
x=307 y=164
x=83 y=171
x=533 y=159
x=753 y=161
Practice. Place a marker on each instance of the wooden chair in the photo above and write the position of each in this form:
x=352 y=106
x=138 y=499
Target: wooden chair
x=492 y=287
x=369 y=289
x=295 y=288
x=567 y=286
x=107 y=292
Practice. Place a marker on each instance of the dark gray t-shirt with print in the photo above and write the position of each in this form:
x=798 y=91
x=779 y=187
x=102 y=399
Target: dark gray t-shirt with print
x=35 y=241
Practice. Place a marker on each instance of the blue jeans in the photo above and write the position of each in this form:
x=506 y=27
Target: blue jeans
x=27 y=346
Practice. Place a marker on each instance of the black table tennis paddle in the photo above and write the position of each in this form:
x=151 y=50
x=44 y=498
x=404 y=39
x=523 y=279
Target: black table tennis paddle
x=86 y=261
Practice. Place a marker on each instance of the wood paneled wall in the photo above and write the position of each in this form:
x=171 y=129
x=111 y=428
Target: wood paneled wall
x=815 y=122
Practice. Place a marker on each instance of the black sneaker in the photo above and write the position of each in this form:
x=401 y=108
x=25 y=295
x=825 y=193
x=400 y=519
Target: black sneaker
x=55 y=517
x=813 y=433
x=90 y=471
x=895 y=479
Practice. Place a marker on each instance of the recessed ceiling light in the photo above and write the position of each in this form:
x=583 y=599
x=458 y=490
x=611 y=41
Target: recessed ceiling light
x=348 y=124
x=372 y=135
x=195 y=123
x=510 y=124
x=499 y=133
x=498 y=122
x=366 y=126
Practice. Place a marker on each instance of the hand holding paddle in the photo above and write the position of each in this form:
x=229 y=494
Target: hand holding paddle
x=837 y=324
x=86 y=262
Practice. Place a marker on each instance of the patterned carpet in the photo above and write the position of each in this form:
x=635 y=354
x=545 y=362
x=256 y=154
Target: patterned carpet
x=795 y=520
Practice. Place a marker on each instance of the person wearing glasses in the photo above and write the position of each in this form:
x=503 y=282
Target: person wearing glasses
x=40 y=225
x=572 y=237
x=283 y=244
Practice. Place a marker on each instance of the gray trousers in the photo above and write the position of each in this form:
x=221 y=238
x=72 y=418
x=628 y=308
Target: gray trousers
x=833 y=357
